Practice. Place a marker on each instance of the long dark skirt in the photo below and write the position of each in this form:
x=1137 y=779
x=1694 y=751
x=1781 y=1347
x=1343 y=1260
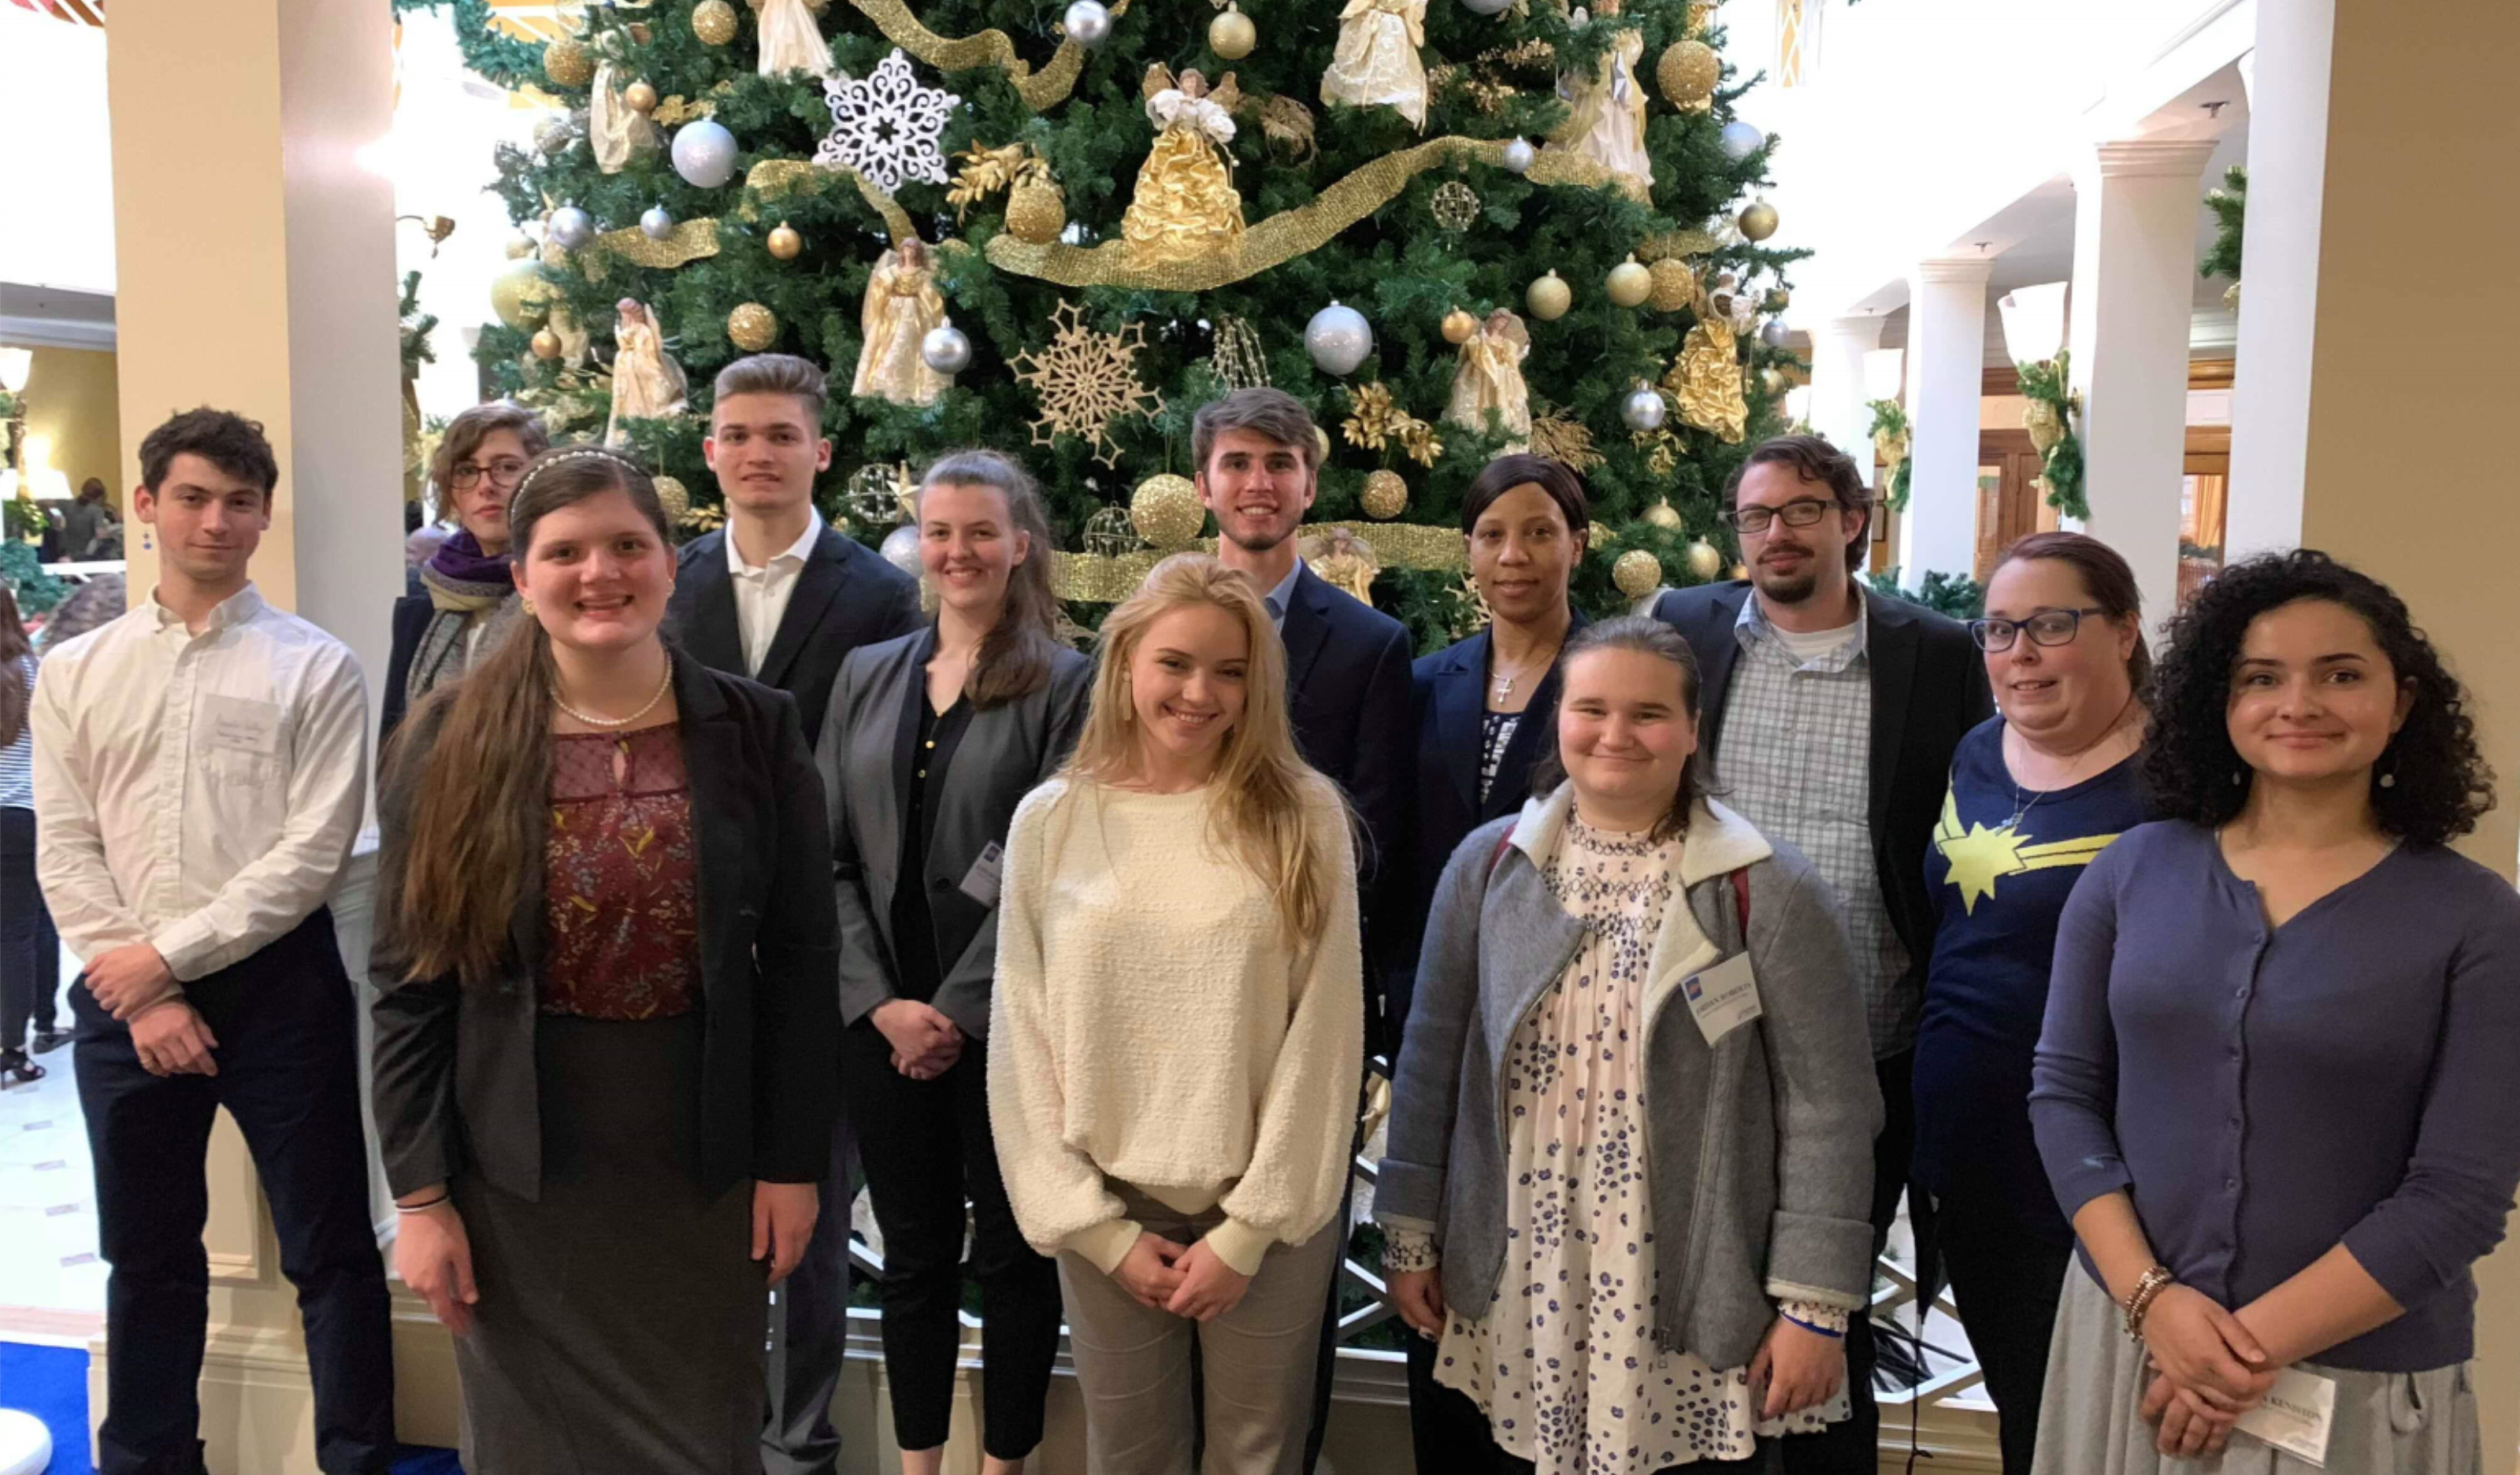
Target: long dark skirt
x=619 y=1325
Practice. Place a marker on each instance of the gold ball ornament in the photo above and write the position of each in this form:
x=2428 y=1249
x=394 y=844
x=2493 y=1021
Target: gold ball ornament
x=1459 y=327
x=714 y=22
x=783 y=243
x=520 y=248
x=1322 y=448
x=1774 y=380
x=1232 y=35
x=546 y=344
x=752 y=327
x=568 y=64
x=1638 y=573
x=519 y=297
x=638 y=97
x=1663 y=515
x=1036 y=213
x=1675 y=286
x=1689 y=73
x=676 y=497
x=1548 y=297
x=1628 y=283
x=1758 y=220
x=1386 y=495
x=1778 y=299
x=1704 y=563
x=1165 y=511
x=1740 y=572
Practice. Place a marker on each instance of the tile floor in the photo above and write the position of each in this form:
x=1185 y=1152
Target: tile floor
x=51 y=1281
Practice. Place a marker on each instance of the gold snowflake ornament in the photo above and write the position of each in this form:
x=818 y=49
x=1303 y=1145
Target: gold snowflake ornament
x=1085 y=380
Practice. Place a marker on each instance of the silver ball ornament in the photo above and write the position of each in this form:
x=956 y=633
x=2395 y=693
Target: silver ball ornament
x=1486 y=7
x=946 y=350
x=1773 y=333
x=1644 y=410
x=657 y=222
x=704 y=153
x=1518 y=156
x=1741 y=140
x=901 y=548
x=1338 y=338
x=570 y=227
x=1087 y=23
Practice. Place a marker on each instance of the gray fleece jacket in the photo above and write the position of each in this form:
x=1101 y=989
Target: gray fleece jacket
x=1758 y=1150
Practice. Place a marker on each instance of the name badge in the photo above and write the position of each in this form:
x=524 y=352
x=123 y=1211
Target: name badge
x=980 y=883
x=242 y=723
x=2294 y=1415
x=1723 y=998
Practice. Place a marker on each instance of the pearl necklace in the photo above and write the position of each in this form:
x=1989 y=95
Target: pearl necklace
x=620 y=722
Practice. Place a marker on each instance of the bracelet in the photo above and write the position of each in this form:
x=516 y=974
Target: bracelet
x=417 y=1208
x=2140 y=1300
x=1807 y=1326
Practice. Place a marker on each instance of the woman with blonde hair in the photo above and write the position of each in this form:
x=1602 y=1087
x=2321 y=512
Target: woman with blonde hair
x=1174 y=1043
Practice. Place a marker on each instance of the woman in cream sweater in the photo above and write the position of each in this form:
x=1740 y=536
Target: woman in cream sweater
x=1175 y=1041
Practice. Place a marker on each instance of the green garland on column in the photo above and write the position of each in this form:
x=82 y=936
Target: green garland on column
x=2049 y=419
x=1890 y=443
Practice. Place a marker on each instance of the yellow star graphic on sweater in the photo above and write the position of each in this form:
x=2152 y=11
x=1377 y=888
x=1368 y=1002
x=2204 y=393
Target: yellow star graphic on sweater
x=1979 y=857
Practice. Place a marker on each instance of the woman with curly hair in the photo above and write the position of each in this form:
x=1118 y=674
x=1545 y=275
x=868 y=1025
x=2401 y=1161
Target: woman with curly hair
x=2272 y=1086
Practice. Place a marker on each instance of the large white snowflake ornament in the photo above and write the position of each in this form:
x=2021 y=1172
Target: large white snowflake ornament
x=886 y=127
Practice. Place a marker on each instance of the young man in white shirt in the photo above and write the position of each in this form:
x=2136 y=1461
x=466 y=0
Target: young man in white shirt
x=201 y=774
x=782 y=598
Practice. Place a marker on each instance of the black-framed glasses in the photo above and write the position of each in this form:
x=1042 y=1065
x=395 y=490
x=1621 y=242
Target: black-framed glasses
x=2048 y=627
x=1802 y=511
x=503 y=471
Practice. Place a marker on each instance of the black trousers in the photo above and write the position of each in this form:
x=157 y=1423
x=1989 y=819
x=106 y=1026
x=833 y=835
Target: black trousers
x=288 y=1072
x=31 y=951
x=2007 y=1261
x=1446 y=1430
x=926 y=1148
x=809 y=1334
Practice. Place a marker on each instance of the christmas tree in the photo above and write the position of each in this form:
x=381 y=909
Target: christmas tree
x=1542 y=219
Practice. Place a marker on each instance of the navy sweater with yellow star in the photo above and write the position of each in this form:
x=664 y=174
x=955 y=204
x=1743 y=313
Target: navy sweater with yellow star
x=1998 y=883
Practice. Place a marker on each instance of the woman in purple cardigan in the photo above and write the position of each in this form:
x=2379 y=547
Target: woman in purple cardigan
x=2273 y=1087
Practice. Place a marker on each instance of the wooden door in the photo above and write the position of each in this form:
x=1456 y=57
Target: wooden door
x=2007 y=505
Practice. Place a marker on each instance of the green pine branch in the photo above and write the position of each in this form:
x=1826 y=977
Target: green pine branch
x=2229 y=206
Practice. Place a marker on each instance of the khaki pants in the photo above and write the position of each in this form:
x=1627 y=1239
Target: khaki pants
x=1133 y=1363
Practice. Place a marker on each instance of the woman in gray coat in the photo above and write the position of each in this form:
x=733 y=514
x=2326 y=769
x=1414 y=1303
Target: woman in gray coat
x=1630 y=1155
x=931 y=740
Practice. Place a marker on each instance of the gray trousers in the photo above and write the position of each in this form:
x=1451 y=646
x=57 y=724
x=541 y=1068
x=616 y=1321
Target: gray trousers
x=1133 y=1363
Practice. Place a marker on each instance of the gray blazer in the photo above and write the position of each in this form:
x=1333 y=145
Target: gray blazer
x=1759 y=1147
x=1005 y=753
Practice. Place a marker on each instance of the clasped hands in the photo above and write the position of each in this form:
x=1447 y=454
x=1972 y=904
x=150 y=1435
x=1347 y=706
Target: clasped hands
x=2207 y=1371
x=134 y=985
x=924 y=1043
x=1190 y=1281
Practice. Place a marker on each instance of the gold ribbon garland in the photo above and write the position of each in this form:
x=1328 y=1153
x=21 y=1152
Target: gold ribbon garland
x=775 y=178
x=1040 y=90
x=1107 y=579
x=691 y=241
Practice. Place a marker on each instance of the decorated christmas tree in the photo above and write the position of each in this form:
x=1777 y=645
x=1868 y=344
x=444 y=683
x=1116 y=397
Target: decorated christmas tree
x=1450 y=228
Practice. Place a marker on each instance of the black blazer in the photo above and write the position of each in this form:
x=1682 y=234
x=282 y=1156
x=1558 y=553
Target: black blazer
x=1929 y=687
x=867 y=764
x=411 y=612
x=846 y=597
x=454 y=1086
x=1449 y=701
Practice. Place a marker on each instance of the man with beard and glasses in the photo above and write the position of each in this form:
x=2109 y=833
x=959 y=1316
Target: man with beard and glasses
x=1830 y=718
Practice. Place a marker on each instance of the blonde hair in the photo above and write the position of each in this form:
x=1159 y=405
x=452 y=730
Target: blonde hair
x=1265 y=791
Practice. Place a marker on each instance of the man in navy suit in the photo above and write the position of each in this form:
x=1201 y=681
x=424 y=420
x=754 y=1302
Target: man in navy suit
x=1829 y=718
x=1347 y=674
x=782 y=598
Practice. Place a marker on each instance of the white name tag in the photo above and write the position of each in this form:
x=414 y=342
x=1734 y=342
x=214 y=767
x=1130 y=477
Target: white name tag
x=2294 y=1415
x=242 y=723
x=980 y=883
x=1723 y=998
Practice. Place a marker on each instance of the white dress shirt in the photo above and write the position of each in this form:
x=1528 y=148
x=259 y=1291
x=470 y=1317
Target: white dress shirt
x=761 y=594
x=197 y=792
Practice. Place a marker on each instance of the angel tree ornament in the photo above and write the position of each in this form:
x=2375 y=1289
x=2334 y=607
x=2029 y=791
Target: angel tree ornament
x=885 y=126
x=1606 y=119
x=791 y=40
x=615 y=129
x=902 y=307
x=1488 y=379
x=647 y=382
x=1186 y=209
x=1377 y=60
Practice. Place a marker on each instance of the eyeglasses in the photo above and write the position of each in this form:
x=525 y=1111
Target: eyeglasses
x=2048 y=627
x=1802 y=512
x=503 y=471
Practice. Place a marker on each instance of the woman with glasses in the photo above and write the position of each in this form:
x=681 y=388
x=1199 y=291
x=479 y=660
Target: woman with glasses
x=2037 y=792
x=467 y=596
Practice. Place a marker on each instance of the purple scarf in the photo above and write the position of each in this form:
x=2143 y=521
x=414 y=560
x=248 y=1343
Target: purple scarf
x=460 y=560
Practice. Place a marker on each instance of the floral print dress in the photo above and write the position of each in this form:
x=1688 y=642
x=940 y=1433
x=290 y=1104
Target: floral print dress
x=1563 y=1360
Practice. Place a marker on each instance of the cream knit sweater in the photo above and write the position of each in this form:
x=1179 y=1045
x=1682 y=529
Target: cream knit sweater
x=1153 y=1022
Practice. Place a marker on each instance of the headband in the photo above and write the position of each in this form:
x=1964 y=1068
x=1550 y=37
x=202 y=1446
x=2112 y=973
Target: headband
x=580 y=454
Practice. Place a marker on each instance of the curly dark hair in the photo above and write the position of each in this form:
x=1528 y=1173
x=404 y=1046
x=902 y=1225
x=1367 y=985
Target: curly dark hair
x=2443 y=783
x=227 y=441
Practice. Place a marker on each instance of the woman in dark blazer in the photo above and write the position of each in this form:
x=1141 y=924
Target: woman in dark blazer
x=466 y=597
x=605 y=1025
x=1486 y=710
x=931 y=740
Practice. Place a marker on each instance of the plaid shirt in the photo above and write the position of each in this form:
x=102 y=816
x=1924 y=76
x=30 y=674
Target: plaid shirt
x=1793 y=759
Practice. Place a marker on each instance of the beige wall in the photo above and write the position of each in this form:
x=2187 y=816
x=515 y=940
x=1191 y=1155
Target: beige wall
x=70 y=398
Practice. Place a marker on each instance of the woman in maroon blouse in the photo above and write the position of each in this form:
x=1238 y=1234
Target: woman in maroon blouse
x=605 y=1028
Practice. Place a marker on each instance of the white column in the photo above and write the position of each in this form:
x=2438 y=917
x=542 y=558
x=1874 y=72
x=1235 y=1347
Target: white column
x=1837 y=411
x=2280 y=260
x=2136 y=213
x=1946 y=373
